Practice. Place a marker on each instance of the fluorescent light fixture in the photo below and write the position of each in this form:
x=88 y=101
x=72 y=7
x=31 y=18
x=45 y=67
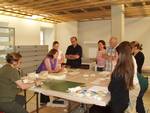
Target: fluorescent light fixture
x=28 y=17
x=20 y=15
x=16 y=11
x=7 y=13
x=33 y=17
x=14 y=14
x=37 y=17
x=1 y=12
x=9 y=10
x=44 y=15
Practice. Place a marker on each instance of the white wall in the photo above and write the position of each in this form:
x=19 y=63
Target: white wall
x=90 y=33
x=139 y=29
x=135 y=29
x=27 y=32
x=63 y=33
x=49 y=34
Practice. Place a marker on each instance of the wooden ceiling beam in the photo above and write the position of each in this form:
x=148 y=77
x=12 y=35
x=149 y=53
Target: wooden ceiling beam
x=48 y=3
x=42 y=2
x=21 y=2
x=28 y=13
x=126 y=1
x=23 y=8
x=96 y=14
x=137 y=14
x=140 y=11
x=136 y=9
x=75 y=5
x=14 y=1
x=51 y=9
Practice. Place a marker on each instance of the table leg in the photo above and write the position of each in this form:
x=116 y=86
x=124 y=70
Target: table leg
x=86 y=108
x=25 y=95
x=69 y=107
x=37 y=102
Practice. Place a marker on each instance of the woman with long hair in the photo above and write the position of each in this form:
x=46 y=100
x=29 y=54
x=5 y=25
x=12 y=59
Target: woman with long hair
x=100 y=60
x=121 y=82
x=139 y=57
x=121 y=79
x=50 y=62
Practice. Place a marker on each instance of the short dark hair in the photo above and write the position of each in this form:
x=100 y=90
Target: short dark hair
x=52 y=52
x=55 y=42
x=13 y=56
x=74 y=37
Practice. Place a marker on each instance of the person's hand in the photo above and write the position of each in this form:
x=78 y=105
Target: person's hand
x=76 y=56
x=70 y=56
x=62 y=68
x=104 y=55
x=104 y=83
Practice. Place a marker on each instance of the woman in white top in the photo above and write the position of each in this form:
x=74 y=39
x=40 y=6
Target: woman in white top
x=100 y=55
x=60 y=54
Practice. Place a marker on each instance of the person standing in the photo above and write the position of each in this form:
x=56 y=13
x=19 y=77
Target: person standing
x=74 y=54
x=100 y=60
x=60 y=53
x=121 y=82
x=139 y=57
x=121 y=79
x=111 y=55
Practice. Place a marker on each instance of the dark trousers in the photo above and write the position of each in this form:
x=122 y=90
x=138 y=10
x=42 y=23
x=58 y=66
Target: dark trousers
x=44 y=99
x=100 y=109
x=143 y=87
x=14 y=106
x=100 y=69
x=139 y=102
x=108 y=109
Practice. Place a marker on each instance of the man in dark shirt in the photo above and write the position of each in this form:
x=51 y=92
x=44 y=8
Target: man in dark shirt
x=74 y=54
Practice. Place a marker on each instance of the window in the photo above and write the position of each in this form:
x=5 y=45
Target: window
x=7 y=42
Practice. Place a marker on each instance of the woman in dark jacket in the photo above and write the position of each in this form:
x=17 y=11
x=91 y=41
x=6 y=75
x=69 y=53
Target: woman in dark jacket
x=121 y=79
x=139 y=57
x=121 y=82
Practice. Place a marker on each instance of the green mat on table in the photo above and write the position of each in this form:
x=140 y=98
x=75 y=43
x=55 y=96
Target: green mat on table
x=61 y=85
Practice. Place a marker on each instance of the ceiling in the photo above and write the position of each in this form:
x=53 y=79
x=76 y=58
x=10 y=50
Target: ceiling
x=70 y=10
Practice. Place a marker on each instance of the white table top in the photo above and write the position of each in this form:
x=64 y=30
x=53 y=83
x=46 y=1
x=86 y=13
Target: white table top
x=90 y=78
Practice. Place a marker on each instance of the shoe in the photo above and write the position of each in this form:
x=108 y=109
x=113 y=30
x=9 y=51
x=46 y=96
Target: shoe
x=43 y=104
x=58 y=101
